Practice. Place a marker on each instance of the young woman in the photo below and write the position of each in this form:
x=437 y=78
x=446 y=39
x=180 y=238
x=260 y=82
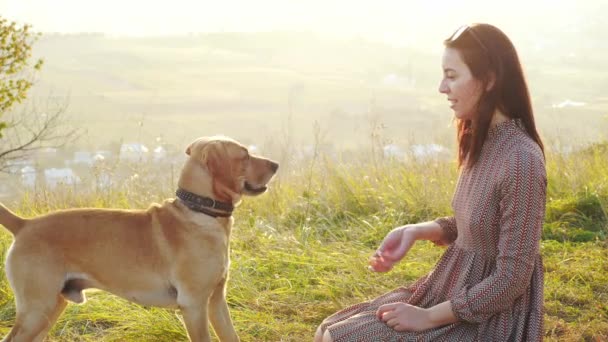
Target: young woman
x=488 y=285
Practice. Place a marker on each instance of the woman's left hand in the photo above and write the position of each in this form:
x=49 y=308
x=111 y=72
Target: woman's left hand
x=404 y=317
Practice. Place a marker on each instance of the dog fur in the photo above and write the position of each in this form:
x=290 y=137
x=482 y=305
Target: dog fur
x=167 y=255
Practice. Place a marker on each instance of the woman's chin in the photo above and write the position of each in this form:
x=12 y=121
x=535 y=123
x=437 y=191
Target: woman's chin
x=461 y=116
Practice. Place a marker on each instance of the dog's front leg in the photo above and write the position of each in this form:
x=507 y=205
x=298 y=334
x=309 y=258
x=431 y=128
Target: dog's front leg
x=193 y=306
x=197 y=323
x=220 y=316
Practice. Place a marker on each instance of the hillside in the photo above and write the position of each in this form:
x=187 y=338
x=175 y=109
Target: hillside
x=258 y=86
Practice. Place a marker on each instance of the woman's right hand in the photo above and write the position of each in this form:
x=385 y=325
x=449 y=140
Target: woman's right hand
x=394 y=247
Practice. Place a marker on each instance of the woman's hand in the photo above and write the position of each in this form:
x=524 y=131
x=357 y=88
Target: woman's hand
x=405 y=317
x=394 y=247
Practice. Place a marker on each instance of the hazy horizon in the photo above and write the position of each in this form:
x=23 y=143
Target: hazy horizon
x=258 y=71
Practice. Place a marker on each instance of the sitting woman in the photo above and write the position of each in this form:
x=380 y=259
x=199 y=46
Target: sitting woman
x=488 y=285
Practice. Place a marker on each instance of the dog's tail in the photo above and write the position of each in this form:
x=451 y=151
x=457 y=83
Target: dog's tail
x=10 y=221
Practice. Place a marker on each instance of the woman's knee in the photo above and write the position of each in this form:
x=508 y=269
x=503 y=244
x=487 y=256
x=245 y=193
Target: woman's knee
x=326 y=337
x=319 y=335
x=322 y=335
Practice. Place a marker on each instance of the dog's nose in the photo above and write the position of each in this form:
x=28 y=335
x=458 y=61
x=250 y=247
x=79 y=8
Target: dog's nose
x=273 y=166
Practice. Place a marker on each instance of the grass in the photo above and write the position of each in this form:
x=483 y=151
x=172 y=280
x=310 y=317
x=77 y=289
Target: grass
x=299 y=252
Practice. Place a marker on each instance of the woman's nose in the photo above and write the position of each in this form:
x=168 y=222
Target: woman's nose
x=443 y=88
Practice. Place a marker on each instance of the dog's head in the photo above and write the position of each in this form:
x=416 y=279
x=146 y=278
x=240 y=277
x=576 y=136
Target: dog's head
x=233 y=170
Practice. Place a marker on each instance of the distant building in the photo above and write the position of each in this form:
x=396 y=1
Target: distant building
x=392 y=151
x=429 y=151
x=64 y=176
x=28 y=176
x=104 y=155
x=83 y=157
x=48 y=152
x=98 y=158
x=133 y=152
x=159 y=154
x=15 y=166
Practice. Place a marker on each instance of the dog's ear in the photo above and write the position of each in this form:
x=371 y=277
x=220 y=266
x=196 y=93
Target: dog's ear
x=212 y=156
x=192 y=146
x=221 y=168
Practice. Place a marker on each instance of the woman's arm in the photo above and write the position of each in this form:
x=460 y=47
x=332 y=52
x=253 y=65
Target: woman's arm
x=405 y=317
x=441 y=314
x=449 y=231
x=398 y=242
x=431 y=230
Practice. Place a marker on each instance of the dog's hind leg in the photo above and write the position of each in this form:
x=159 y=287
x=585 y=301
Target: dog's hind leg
x=52 y=318
x=36 y=283
x=34 y=321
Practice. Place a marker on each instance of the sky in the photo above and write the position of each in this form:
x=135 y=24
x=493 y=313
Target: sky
x=397 y=22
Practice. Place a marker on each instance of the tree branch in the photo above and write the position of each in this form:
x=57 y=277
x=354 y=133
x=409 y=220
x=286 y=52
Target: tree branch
x=34 y=130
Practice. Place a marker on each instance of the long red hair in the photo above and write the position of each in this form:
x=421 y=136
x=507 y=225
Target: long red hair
x=491 y=57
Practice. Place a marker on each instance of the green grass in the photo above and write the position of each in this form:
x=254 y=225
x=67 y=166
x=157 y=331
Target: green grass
x=299 y=252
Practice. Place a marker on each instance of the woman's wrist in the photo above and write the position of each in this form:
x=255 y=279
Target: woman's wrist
x=440 y=315
x=414 y=230
x=425 y=231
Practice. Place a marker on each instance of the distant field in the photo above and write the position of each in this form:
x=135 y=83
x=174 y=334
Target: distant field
x=252 y=86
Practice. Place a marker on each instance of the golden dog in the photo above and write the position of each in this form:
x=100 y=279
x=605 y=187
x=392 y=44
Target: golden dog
x=170 y=255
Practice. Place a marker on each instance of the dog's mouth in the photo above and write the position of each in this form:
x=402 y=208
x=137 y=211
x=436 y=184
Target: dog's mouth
x=251 y=190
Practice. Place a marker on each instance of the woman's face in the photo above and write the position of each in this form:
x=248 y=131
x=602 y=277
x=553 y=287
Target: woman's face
x=458 y=84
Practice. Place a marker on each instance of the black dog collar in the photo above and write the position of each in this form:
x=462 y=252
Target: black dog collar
x=202 y=204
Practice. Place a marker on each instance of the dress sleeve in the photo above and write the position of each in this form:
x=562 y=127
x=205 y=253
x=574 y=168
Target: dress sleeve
x=448 y=226
x=522 y=209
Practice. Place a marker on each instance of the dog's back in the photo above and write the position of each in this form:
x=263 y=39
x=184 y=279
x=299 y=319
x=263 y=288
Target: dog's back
x=10 y=221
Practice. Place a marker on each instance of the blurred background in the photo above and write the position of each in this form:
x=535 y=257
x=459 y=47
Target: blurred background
x=139 y=80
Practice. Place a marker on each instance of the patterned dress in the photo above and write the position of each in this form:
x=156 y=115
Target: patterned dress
x=491 y=272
